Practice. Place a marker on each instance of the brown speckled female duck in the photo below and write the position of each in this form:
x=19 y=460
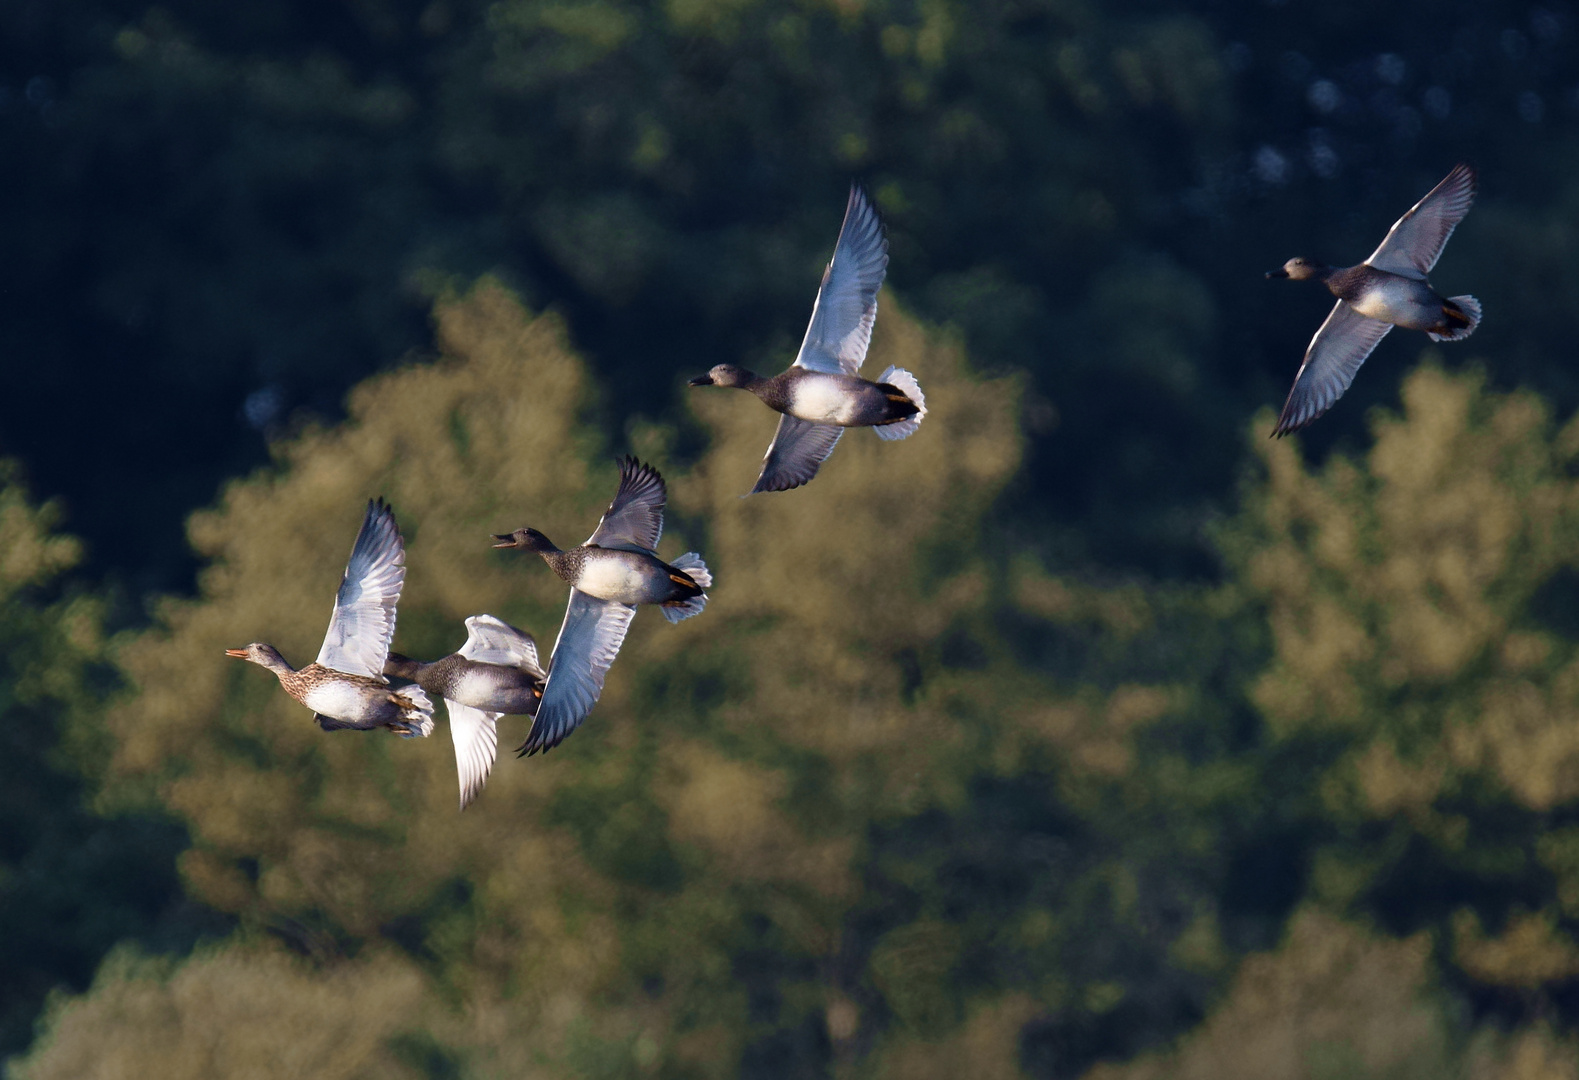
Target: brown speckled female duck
x=345 y=687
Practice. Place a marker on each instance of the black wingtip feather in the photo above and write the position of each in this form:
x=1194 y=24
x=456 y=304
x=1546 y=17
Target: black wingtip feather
x=378 y=512
x=529 y=747
x=1286 y=426
x=539 y=740
x=761 y=489
x=635 y=469
x=860 y=204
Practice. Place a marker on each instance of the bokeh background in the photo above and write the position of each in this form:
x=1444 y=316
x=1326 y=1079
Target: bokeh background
x=1087 y=734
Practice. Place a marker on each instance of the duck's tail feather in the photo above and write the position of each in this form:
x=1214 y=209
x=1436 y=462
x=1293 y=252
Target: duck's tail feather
x=1467 y=310
x=416 y=711
x=695 y=569
x=684 y=609
x=903 y=381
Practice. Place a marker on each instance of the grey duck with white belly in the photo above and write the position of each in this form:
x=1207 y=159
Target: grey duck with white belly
x=496 y=672
x=345 y=687
x=614 y=571
x=821 y=394
x=1386 y=290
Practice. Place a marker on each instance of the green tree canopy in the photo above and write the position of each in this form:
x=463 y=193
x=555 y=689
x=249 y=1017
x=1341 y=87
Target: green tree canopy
x=903 y=803
x=736 y=861
x=72 y=884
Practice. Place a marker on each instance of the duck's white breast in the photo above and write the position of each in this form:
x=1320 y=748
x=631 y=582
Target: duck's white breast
x=471 y=685
x=823 y=399
x=479 y=687
x=618 y=579
x=339 y=700
x=1396 y=300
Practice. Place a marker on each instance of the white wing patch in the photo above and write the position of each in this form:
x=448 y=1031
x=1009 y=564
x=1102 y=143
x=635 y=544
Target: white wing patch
x=490 y=640
x=841 y=319
x=363 y=623
x=1415 y=242
x=476 y=738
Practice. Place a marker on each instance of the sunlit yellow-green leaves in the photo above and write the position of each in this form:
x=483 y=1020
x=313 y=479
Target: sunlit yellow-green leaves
x=1405 y=597
x=730 y=770
x=899 y=799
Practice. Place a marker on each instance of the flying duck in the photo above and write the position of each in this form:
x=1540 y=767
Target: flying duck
x=614 y=571
x=345 y=687
x=494 y=673
x=1386 y=290
x=821 y=394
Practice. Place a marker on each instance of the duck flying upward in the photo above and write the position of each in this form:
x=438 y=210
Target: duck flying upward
x=1386 y=290
x=614 y=571
x=345 y=687
x=496 y=672
x=822 y=393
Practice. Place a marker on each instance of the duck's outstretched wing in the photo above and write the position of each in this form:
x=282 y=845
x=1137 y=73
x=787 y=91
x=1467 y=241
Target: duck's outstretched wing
x=494 y=641
x=589 y=641
x=1335 y=354
x=796 y=453
x=363 y=623
x=1415 y=241
x=841 y=320
x=634 y=520
x=476 y=739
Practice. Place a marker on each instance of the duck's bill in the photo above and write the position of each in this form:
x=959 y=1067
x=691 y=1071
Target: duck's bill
x=1279 y=272
x=505 y=540
x=702 y=380
x=239 y=654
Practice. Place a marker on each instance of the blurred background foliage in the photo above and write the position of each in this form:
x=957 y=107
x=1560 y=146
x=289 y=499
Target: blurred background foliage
x=904 y=804
x=1086 y=734
x=221 y=217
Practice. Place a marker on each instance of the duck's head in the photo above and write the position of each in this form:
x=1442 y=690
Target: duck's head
x=263 y=655
x=524 y=540
x=725 y=375
x=401 y=667
x=1298 y=269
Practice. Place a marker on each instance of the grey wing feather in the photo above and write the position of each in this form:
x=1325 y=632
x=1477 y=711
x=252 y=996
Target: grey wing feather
x=1415 y=241
x=363 y=623
x=1335 y=354
x=494 y=641
x=476 y=739
x=846 y=307
x=634 y=520
x=589 y=641
x=796 y=453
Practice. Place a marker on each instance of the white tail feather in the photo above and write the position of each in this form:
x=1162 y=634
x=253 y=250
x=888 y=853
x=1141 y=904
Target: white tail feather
x=1471 y=308
x=904 y=382
x=675 y=612
x=695 y=569
x=417 y=712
